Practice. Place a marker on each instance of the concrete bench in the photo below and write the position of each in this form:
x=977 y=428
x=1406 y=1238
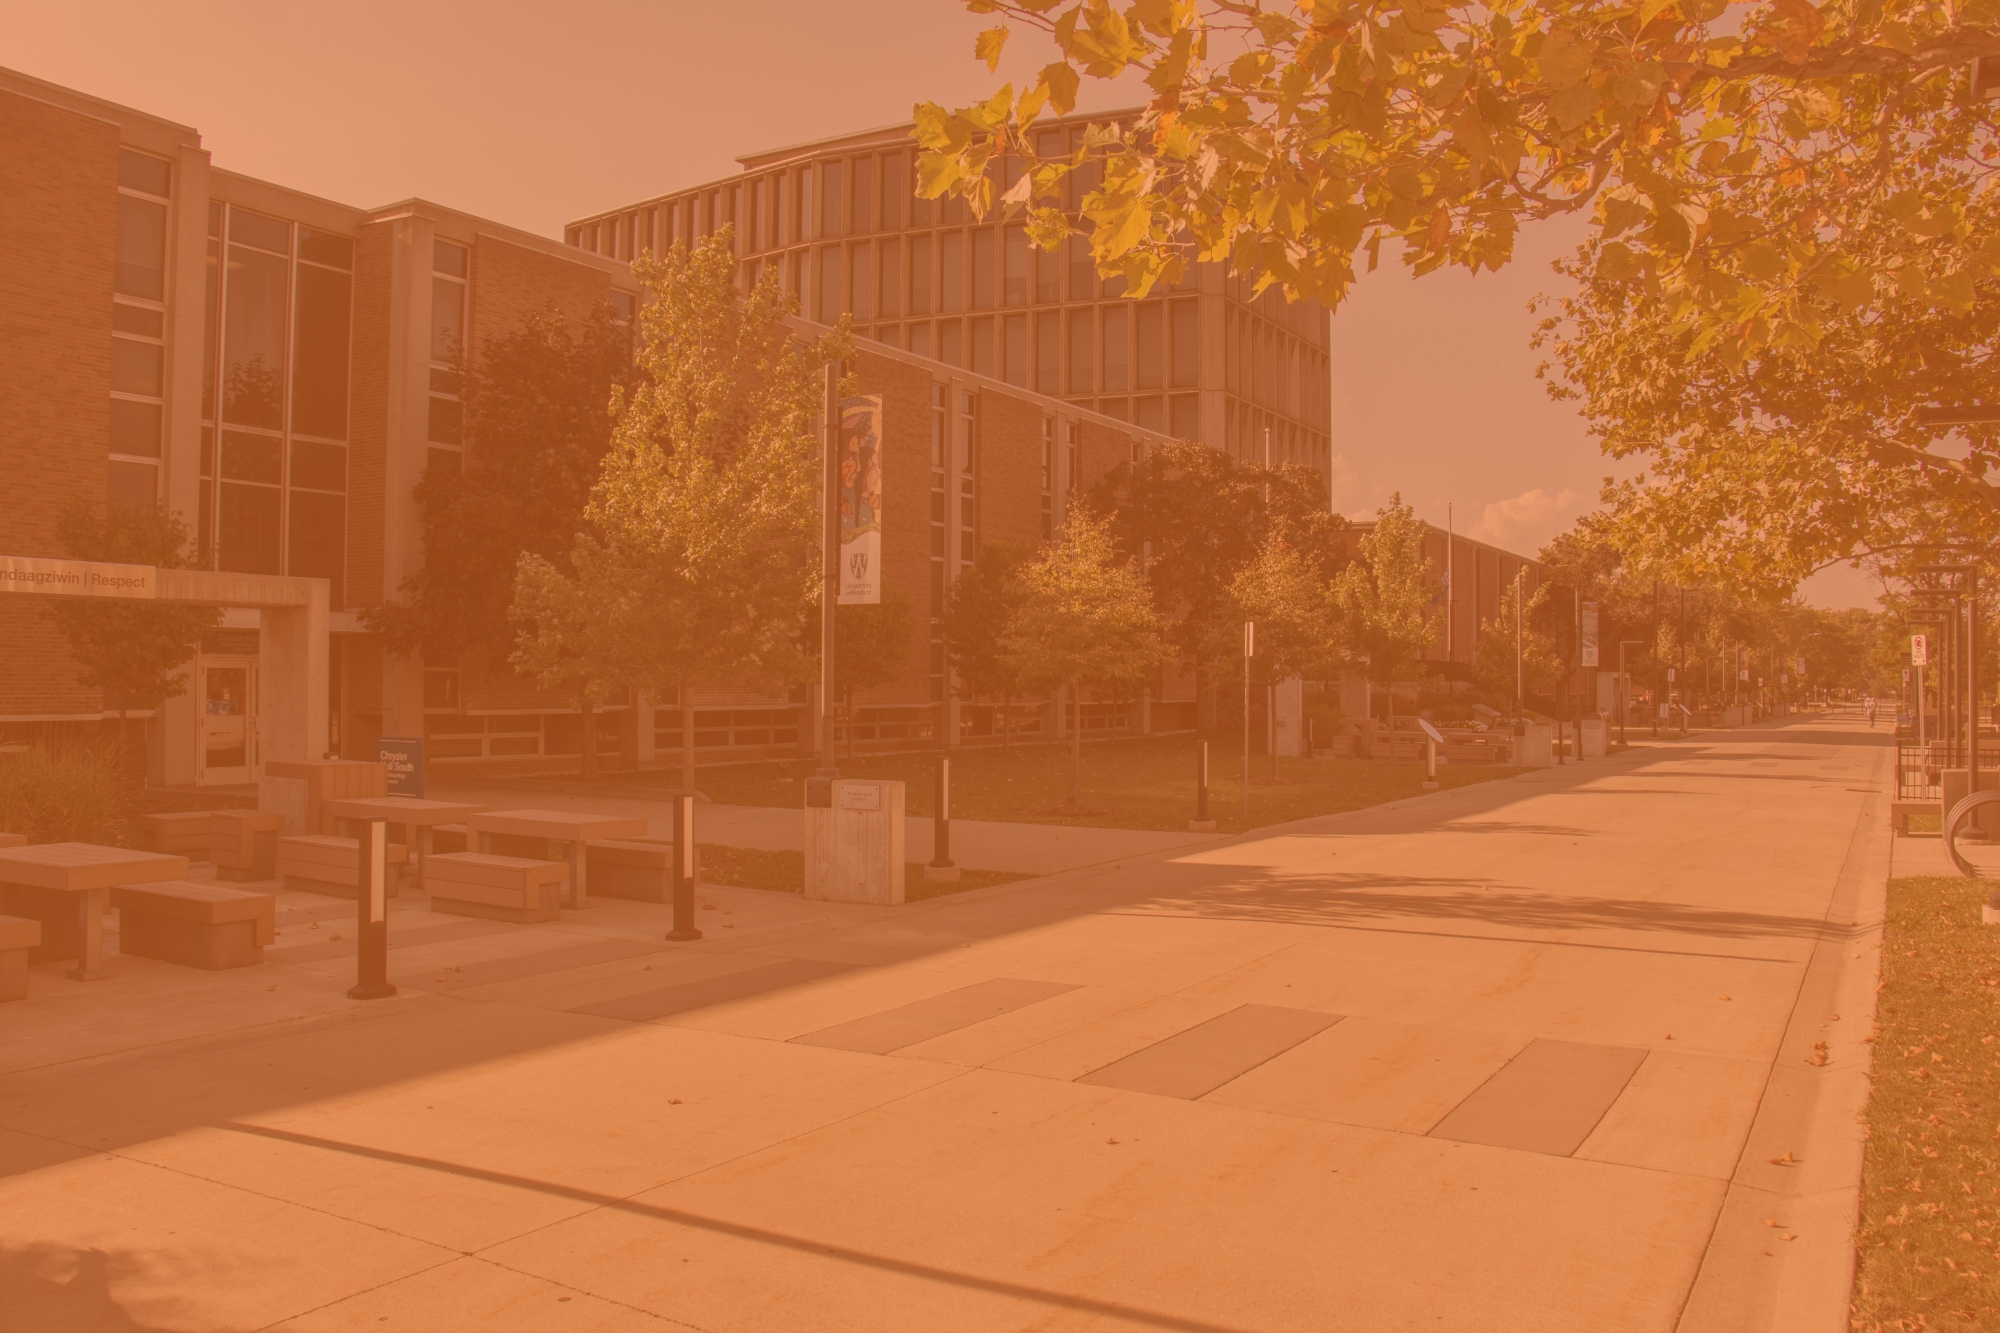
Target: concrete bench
x=182 y=832
x=1900 y=812
x=13 y=840
x=244 y=843
x=18 y=935
x=322 y=863
x=451 y=838
x=501 y=888
x=195 y=924
x=639 y=870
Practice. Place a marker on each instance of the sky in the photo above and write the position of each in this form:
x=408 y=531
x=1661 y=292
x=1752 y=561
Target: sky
x=535 y=114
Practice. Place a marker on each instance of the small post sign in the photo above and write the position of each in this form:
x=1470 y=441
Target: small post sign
x=1588 y=633
x=1920 y=650
x=404 y=756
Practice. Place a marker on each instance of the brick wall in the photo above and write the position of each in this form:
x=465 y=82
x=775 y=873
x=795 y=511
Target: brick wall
x=58 y=231
x=511 y=282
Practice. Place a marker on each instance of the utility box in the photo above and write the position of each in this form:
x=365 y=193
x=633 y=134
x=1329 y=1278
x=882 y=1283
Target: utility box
x=1534 y=746
x=854 y=843
x=1591 y=734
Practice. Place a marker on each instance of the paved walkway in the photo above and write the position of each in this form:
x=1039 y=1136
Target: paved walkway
x=978 y=844
x=1517 y=1056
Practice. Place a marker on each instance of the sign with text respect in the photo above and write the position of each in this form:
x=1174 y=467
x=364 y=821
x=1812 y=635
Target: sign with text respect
x=75 y=578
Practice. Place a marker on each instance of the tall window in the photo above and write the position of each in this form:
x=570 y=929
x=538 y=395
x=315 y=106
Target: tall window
x=1048 y=478
x=316 y=498
x=940 y=542
x=968 y=472
x=451 y=268
x=138 y=329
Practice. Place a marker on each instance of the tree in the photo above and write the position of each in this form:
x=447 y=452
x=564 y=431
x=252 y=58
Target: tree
x=1319 y=130
x=1085 y=621
x=978 y=607
x=1196 y=517
x=1385 y=597
x=130 y=650
x=699 y=556
x=538 y=421
x=1287 y=593
x=871 y=643
x=1515 y=659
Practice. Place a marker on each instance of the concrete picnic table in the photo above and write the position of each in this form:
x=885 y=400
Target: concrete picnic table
x=34 y=880
x=565 y=826
x=418 y=814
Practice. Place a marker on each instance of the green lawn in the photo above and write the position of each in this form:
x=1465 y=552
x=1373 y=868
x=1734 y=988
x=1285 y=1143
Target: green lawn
x=1145 y=783
x=1929 y=1239
x=785 y=872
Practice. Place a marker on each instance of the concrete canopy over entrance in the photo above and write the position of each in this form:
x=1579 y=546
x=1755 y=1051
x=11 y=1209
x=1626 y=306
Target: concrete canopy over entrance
x=292 y=679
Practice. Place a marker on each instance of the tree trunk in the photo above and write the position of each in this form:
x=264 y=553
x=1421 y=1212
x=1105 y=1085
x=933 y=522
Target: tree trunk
x=1204 y=700
x=1389 y=691
x=687 y=737
x=588 y=708
x=1075 y=747
x=1271 y=726
x=1006 y=723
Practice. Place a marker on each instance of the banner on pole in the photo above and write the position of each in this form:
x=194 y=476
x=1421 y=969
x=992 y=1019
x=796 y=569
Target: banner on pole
x=861 y=500
x=1589 y=618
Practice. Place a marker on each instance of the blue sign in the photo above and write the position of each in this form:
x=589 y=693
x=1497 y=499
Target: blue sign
x=404 y=756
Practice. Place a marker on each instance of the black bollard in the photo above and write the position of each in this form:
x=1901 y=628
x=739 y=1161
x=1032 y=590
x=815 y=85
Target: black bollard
x=682 y=871
x=371 y=915
x=940 y=868
x=1202 y=822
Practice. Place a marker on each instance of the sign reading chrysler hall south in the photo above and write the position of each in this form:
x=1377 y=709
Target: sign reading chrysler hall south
x=861 y=500
x=75 y=578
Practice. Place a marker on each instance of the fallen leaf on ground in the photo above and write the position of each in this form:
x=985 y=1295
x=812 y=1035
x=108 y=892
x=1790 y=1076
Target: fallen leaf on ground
x=1786 y=1160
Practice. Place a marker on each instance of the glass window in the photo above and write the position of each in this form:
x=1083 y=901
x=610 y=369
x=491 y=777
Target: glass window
x=211 y=317
x=1186 y=423
x=982 y=269
x=247 y=457
x=254 y=338
x=1017 y=260
x=1048 y=276
x=892 y=279
x=982 y=346
x=447 y=257
x=1152 y=346
x=1081 y=340
x=135 y=367
x=319 y=351
x=895 y=186
x=826 y=283
x=447 y=421
x=920 y=275
x=247 y=228
x=135 y=428
x=1117 y=351
x=1016 y=335
x=137 y=319
x=1187 y=344
x=1148 y=414
x=950 y=345
x=802 y=201
x=132 y=485
x=140 y=268
x=951 y=276
x=864 y=194
x=920 y=339
x=318 y=541
x=829 y=198
x=247 y=528
x=144 y=173
x=1048 y=352
x=323 y=247
x=1082 y=269
x=447 y=319
x=319 y=467
x=863 y=281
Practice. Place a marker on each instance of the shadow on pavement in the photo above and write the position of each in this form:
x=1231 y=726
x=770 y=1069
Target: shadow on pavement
x=36 y=1297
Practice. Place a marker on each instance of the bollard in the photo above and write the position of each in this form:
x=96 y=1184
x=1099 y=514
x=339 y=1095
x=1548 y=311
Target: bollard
x=1202 y=821
x=371 y=924
x=1430 y=764
x=683 y=870
x=940 y=869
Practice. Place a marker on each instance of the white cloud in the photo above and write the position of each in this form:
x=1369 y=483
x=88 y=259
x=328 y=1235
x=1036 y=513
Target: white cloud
x=1527 y=520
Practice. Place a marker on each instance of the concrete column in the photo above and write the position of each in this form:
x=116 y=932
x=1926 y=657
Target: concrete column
x=642 y=725
x=407 y=452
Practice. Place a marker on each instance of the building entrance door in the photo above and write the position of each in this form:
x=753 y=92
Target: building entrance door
x=228 y=751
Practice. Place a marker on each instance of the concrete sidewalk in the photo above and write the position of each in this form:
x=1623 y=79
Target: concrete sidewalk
x=1533 y=1054
x=1023 y=849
